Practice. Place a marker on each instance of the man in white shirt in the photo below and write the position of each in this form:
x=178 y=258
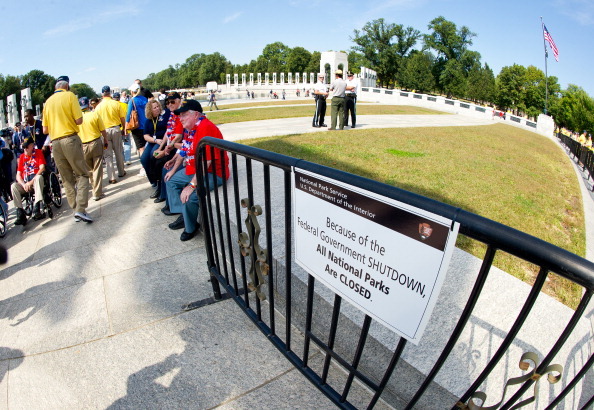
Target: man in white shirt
x=320 y=93
x=352 y=89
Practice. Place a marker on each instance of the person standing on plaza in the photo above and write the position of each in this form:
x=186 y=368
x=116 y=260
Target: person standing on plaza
x=212 y=100
x=112 y=114
x=92 y=135
x=61 y=117
x=338 y=87
x=125 y=136
x=137 y=103
x=320 y=94
x=18 y=137
x=352 y=88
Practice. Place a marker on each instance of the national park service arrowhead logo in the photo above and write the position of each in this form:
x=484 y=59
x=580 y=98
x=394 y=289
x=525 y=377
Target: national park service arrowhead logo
x=425 y=230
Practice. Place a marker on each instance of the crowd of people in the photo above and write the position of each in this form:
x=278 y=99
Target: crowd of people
x=85 y=138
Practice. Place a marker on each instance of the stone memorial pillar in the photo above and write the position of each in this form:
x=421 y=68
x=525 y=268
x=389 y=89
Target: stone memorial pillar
x=312 y=78
x=26 y=102
x=251 y=79
x=304 y=78
x=274 y=79
x=243 y=80
x=266 y=78
x=282 y=78
x=259 y=78
x=38 y=110
x=290 y=79
x=236 y=80
x=12 y=109
x=2 y=116
x=228 y=80
x=297 y=78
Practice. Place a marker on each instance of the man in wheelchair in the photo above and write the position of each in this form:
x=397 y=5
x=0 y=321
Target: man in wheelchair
x=29 y=179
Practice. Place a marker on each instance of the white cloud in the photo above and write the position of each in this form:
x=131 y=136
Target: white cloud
x=88 y=22
x=232 y=17
x=581 y=11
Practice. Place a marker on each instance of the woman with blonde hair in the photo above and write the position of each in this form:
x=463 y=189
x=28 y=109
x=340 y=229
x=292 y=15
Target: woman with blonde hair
x=154 y=131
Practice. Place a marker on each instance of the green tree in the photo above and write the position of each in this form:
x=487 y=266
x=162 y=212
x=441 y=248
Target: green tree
x=481 y=84
x=416 y=73
x=83 y=90
x=510 y=87
x=574 y=110
x=451 y=44
x=274 y=57
x=212 y=68
x=42 y=85
x=9 y=85
x=297 y=60
x=314 y=63
x=376 y=42
x=356 y=61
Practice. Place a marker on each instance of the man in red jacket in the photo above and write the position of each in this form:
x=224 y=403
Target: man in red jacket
x=181 y=185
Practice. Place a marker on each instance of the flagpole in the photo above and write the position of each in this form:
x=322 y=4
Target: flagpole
x=544 y=43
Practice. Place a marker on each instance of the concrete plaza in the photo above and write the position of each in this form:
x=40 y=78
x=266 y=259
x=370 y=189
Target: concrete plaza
x=91 y=317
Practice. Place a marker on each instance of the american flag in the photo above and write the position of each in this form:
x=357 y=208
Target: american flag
x=552 y=44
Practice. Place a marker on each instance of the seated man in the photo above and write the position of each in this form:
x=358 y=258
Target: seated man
x=181 y=186
x=29 y=178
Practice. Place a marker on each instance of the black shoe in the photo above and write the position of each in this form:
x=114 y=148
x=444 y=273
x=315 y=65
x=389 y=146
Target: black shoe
x=21 y=218
x=352 y=126
x=178 y=224
x=167 y=212
x=186 y=236
x=323 y=125
x=155 y=194
x=316 y=126
x=157 y=200
x=37 y=215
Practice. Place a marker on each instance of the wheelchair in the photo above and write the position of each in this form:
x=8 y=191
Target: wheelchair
x=3 y=217
x=52 y=194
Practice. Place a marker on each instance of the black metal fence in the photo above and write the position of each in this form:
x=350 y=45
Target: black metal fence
x=298 y=317
x=582 y=155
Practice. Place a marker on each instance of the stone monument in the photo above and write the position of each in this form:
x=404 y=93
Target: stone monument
x=334 y=59
x=26 y=101
x=2 y=116
x=12 y=109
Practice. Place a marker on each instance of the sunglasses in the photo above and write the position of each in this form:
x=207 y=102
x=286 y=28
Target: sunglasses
x=170 y=102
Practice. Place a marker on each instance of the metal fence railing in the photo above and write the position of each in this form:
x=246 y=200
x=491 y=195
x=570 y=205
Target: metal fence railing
x=252 y=260
x=580 y=154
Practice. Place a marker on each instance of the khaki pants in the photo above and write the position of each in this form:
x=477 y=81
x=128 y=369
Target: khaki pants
x=18 y=191
x=93 y=153
x=115 y=148
x=69 y=158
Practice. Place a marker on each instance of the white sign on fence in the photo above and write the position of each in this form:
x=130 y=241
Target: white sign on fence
x=387 y=258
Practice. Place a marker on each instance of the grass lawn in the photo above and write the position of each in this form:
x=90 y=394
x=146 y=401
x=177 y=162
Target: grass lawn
x=273 y=110
x=512 y=176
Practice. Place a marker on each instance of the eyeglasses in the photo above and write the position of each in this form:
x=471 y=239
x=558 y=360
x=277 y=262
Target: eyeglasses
x=170 y=102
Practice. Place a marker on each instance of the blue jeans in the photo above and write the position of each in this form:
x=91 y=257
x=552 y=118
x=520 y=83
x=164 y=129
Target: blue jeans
x=191 y=209
x=127 y=148
x=145 y=160
x=164 y=184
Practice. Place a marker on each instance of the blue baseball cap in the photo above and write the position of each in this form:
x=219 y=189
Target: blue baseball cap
x=84 y=102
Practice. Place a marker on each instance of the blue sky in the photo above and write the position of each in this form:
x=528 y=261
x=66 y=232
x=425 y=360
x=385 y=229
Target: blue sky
x=114 y=42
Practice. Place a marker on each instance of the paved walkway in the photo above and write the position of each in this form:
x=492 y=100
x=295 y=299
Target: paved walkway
x=90 y=314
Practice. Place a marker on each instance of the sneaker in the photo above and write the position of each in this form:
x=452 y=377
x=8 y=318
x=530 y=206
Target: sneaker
x=142 y=172
x=97 y=198
x=82 y=216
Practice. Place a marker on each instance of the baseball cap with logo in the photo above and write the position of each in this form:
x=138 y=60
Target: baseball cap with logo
x=173 y=95
x=188 y=105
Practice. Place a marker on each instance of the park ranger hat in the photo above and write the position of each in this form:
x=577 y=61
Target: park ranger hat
x=339 y=72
